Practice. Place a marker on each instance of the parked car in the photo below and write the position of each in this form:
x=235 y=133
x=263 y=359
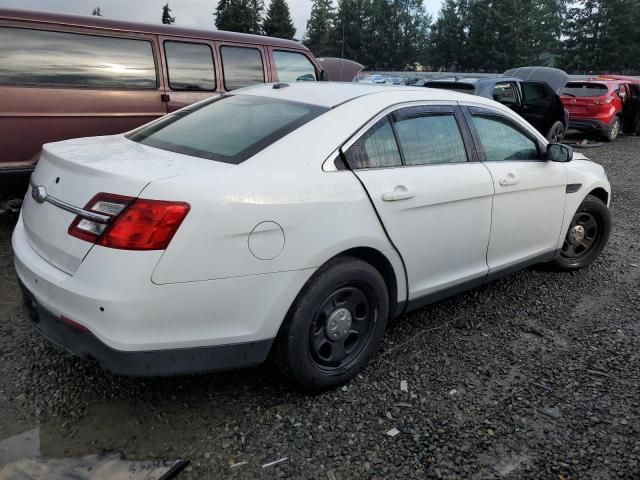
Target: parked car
x=66 y=76
x=604 y=106
x=534 y=98
x=292 y=220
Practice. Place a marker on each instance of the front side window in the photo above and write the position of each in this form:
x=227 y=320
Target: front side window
x=242 y=67
x=40 y=57
x=228 y=129
x=505 y=93
x=502 y=141
x=190 y=66
x=431 y=139
x=294 y=67
x=377 y=148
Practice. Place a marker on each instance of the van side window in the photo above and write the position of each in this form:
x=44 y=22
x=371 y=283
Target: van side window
x=377 y=148
x=294 y=67
x=40 y=57
x=190 y=66
x=241 y=67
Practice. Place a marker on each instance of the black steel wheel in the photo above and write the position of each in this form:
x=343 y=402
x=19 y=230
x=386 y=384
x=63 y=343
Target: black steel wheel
x=335 y=325
x=556 y=133
x=587 y=235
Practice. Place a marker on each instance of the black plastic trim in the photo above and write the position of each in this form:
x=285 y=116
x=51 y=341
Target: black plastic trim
x=143 y=363
x=476 y=282
x=573 y=187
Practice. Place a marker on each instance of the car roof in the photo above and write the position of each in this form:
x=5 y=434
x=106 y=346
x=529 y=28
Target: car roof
x=119 y=25
x=332 y=94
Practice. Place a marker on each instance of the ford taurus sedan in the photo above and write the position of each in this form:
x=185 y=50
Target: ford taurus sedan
x=292 y=222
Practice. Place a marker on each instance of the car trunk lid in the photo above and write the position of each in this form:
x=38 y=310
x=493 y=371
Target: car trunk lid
x=71 y=173
x=585 y=98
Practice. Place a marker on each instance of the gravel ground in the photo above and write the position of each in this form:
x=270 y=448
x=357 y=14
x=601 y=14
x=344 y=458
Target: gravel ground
x=534 y=376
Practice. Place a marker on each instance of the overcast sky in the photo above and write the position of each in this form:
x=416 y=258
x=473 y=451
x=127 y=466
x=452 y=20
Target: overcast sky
x=188 y=13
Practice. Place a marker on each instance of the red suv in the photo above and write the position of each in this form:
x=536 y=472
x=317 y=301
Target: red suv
x=597 y=105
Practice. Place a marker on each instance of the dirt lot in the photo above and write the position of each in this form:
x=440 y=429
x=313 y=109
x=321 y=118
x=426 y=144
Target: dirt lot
x=534 y=376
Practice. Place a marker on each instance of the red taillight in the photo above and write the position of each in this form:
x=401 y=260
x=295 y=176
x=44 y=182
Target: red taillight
x=134 y=224
x=603 y=101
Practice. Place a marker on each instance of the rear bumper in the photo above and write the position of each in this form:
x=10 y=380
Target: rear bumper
x=589 y=125
x=142 y=363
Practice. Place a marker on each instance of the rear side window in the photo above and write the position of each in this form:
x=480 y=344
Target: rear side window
x=431 y=139
x=584 y=89
x=190 y=66
x=502 y=141
x=39 y=57
x=228 y=129
x=242 y=67
x=294 y=67
x=377 y=148
x=505 y=93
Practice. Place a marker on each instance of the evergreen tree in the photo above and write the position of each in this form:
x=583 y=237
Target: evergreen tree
x=277 y=22
x=320 y=28
x=448 y=37
x=167 y=19
x=243 y=16
x=96 y=12
x=351 y=33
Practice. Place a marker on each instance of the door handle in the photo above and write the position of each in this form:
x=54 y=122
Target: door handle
x=510 y=179
x=399 y=193
x=165 y=97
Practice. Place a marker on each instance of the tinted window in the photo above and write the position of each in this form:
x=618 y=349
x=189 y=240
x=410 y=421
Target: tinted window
x=377 y=148
x=59 y=58
x=431 y=139
x=229 y=129
x=502 y=141
x=584 y=89
x=294 y=67
x=505 y=93
x=536 y=94
x=190 y=66
x=242 y=67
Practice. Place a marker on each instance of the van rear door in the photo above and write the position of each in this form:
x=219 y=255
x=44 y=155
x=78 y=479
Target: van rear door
x=190 y=68
x=67 y=82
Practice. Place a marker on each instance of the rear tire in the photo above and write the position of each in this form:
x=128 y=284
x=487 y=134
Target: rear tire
x=556 y=133
x=614 y=129
x=587 y=236
x=335 y=325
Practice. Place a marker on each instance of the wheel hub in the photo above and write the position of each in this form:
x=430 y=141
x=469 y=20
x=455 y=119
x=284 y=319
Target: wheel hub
x=338 y=324
x=576 y=235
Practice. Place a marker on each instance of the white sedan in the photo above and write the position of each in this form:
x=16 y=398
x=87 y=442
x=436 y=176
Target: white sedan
x=292 y=222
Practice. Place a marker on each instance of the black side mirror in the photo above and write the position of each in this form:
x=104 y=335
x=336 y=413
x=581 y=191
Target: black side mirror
x=557 y=152
x=324 y=76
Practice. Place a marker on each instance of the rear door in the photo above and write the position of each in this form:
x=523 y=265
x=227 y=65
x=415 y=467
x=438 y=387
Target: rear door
x=433 y=199
x=528 y=205
x=190 y=71
x=538 y=106
x=59 y=83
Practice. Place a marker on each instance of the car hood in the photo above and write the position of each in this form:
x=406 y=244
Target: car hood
x=553 y=77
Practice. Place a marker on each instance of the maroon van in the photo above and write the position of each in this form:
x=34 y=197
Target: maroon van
x=65 y=76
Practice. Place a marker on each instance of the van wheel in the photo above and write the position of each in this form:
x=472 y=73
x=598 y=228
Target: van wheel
x=614 y=129
x=335 y=325
x=587 y=236
x=556 y=133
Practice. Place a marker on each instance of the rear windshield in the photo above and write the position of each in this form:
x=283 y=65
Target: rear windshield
x=455 y=86
x=584 y=89
x=230 y=128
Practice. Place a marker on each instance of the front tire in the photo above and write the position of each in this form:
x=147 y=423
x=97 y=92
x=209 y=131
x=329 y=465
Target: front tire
x=335 y=325
x=556 y=133
x=587 y=236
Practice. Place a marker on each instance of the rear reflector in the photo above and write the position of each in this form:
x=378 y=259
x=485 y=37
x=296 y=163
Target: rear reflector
x=134 y=224
x=73 y=324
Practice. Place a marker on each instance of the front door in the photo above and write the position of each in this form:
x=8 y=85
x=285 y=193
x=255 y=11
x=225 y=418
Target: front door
x=190 y=71
x=528 y=205
x=434 y=202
